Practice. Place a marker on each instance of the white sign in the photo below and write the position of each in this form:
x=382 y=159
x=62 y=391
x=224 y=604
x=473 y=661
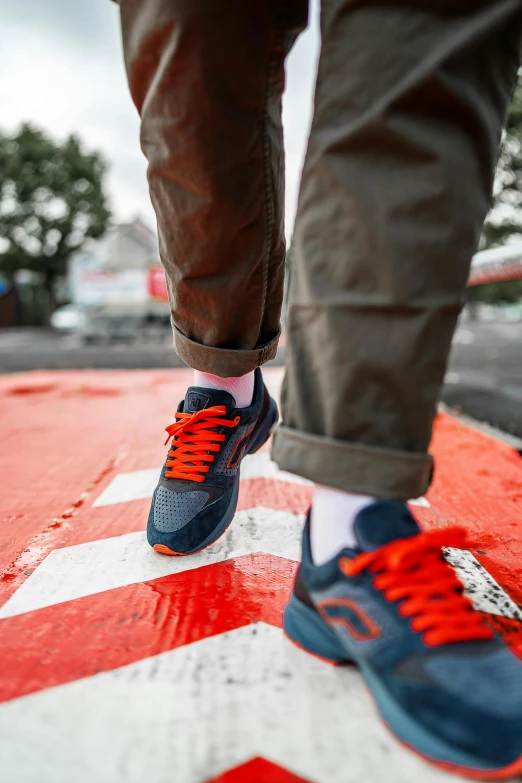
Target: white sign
x=91 y=285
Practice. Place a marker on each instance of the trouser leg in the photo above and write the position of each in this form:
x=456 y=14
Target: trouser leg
x=410 y=102
x=207 y=78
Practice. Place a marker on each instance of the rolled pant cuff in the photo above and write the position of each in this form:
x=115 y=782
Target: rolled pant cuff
x=352 y=467
x=225 y=362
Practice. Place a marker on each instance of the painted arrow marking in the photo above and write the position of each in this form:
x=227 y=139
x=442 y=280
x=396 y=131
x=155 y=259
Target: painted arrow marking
x=106 y=564
x=139 y=484
x=86 y=569
x=190 y=714
x=182 y=674
x=102 y=632
x=486 y=593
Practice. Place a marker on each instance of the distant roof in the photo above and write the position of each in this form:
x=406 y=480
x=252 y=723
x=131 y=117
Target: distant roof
x=139 y=232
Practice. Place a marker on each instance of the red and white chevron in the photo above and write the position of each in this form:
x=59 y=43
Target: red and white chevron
x=119 y=665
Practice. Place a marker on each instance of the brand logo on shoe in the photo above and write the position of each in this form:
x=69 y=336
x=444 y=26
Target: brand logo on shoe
x=348 y=614
x=237 y=454
x=196 y=402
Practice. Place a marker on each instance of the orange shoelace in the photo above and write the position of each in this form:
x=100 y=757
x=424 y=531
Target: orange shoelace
x=414 y=571
x=193 y=438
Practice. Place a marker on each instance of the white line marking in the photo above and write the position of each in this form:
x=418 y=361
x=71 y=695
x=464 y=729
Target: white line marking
x=85 y=569
x=485 y=593
x=129 y=486
x=422 y=502
x=261 y=466
x=189 y=714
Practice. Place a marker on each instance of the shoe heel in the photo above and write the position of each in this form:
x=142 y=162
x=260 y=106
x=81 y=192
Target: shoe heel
x=269 y=422
x=307 y=629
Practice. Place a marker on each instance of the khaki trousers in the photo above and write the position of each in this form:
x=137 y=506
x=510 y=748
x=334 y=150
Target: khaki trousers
x=410 y=101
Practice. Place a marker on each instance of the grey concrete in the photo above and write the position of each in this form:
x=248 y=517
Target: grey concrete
x=45 y=349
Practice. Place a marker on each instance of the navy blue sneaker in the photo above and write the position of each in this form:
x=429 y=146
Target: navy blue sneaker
x=443 y=682
x=196 y=496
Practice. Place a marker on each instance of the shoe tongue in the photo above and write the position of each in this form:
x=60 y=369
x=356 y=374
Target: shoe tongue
x=197 y=398
x=382 y=522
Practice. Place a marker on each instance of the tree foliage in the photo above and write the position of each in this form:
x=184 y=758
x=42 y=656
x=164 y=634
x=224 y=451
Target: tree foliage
x=504 y=222
x=51 y=201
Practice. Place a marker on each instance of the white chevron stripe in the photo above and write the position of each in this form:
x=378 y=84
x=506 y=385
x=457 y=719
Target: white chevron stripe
x=85 y=569
x=129 y=486
x=189 y=714
x=486 y=593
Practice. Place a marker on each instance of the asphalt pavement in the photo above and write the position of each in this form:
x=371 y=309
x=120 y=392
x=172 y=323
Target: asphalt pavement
x=484 y=378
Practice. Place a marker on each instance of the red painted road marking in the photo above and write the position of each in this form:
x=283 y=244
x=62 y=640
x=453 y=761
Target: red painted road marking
x=80 y=638
x=478 y=483
x=478 y=480
x=96 y=524
x=58 y=439
x=258 y=770
x=97 y=566
x=192 y=713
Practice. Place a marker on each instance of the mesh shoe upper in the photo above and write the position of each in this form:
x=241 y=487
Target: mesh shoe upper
x=174 y=510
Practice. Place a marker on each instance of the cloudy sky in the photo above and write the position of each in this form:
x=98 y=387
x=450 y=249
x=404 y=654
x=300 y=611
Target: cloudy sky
x=61 y=68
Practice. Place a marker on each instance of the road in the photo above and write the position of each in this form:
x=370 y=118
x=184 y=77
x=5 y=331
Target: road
x=484 y=378
x=121 y=665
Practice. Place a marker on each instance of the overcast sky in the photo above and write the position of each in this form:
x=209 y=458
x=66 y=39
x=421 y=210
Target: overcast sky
x=61 y=68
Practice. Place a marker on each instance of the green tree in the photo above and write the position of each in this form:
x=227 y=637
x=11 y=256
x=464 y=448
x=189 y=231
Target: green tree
x=51 y=201
x=505 y=219
x=504 y=222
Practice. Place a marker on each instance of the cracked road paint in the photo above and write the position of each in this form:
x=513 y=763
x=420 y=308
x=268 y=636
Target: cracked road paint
x=97 y=566
x=123 y=665
x=210 y=706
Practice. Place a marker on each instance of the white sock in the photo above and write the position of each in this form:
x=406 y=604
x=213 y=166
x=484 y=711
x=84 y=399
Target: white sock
x=241 y=389
x=332 y=518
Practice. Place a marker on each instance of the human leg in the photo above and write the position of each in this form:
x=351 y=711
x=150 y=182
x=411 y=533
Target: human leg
x=207 y=79
x=410 y=103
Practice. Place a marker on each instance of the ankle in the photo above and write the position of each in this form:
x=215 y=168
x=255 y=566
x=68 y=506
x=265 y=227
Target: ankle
x=241 y=388
x=332 y=517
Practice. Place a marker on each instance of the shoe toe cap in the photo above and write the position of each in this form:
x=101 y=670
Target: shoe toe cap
x=174 y=510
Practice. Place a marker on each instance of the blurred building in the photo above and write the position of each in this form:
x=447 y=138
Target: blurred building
x=126 y=246
x=119 y=276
